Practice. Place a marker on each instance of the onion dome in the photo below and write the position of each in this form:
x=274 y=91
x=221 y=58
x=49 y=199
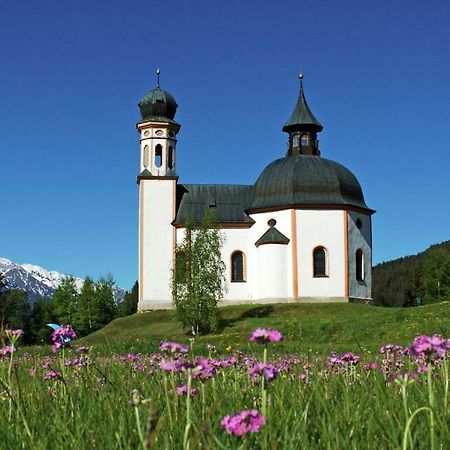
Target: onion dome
x=306 y=181
x=158 y=105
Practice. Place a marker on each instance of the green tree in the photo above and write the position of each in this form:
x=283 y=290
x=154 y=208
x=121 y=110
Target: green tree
x=105 y=307
x=41 y=314
x=129 y=303
x=84 y=317
x=64 y=301
x=198 y=282
x=14 y=309
x=436 y=276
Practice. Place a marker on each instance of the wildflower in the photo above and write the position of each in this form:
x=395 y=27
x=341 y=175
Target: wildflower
x=8 y=350
x=371 y=366
x=264 y=336
x=429 y=347
x=52 y=375
x=14 y=334
x=62 y=336
x=249 y=421
x=172 y=347
x=229 y=349
x=344 y=360
x=203 y=369
x=268 y=371
x=182 y=390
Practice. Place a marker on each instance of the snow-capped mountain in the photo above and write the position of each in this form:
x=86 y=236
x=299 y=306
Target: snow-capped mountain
x=37 y=281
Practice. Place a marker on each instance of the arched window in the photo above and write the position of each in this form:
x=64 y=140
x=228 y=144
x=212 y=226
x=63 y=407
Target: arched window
x=320 y=262
x=158 y=155
x=170 y=157
x=237 y=266
x=359 y=260
x=305 y=139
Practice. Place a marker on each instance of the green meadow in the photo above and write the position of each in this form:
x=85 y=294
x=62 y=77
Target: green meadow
x=121 y=392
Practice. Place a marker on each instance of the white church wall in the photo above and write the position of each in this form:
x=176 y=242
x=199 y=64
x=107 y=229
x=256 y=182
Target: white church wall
x=321 y=228
x=237 y=239
x=283 y=225
x=360 y=238
x=272 y=271
x=156 y=242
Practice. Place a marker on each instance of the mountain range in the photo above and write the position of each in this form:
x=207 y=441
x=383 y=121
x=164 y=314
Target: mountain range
x=38 y=282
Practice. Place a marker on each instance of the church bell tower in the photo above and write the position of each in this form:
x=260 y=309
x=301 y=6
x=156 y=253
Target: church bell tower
x=157 y=182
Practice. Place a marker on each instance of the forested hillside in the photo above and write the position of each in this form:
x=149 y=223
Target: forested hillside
x=418 y=279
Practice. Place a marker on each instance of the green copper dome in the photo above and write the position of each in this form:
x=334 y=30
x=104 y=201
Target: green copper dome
x=158 y=105
x=302 y=118
x=306 y=180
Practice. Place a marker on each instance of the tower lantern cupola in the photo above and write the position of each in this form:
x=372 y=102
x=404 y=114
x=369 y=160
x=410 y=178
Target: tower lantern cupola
x=158 y=131
x=302 y=128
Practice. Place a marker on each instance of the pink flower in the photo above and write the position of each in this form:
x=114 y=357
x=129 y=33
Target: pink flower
x=172 y=347
x=268 y=371
x=52 y=375
x=8 y=350
x=62 y=336
x=203 y=369
x=264 y=336
x=182 y=390
x=249 y=421
x=14 y=333
x=429 y=346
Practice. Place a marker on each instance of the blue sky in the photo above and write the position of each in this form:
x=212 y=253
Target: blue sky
x=377 y=76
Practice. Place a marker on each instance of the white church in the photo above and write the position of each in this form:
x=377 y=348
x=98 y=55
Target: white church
x=301 y=233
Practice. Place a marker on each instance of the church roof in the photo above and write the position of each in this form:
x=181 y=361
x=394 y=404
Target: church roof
x=306 y=180
x=302 y=117
x=158 y=106
x=272 y=236
x=228 y=202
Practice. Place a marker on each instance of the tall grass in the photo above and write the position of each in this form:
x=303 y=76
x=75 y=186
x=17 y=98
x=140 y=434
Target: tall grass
x=128 y=401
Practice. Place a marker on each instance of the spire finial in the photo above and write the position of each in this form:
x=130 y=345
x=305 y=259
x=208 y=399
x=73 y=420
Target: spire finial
x=300 y=77
x=157 y=77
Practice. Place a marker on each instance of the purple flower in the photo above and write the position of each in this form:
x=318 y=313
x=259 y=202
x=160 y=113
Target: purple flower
x=268 y=371
x=264 y=336
x=8 y=350
x=429 y=347
x=249 y=421
x=182 y=390
x=52 y=375
x=203 y=369
x=14 y=333
x=172 y=347
x=62 y=336
x=343 y=360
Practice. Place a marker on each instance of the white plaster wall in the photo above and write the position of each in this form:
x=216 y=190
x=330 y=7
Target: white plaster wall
x=283 y=225
x=156 y=246
x=237 y=239
x=152 y=140
x=360 y=238
x=272 y=271
x=321 y=228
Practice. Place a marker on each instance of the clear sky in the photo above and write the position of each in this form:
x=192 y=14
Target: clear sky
x=377 y=76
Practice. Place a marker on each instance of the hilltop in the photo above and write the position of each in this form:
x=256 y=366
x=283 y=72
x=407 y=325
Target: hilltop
x=319 y=327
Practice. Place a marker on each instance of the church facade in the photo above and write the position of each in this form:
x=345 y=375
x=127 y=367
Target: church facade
x=301 y=233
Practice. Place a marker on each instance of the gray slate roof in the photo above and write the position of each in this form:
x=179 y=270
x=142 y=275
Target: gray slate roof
x=272 y=236
x=228 y=202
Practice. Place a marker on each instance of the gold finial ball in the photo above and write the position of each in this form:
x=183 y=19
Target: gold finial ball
x=300 y=75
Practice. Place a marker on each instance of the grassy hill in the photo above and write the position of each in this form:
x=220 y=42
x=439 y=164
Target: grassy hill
x=316 y=327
